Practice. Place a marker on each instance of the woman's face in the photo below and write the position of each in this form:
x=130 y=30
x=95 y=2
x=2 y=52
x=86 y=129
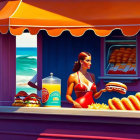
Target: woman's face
x=86 y=63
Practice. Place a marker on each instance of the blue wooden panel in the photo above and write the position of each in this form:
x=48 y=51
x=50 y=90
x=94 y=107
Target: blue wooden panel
x=60 y=53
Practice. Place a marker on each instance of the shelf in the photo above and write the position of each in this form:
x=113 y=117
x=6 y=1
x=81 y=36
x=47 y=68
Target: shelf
x=119 y=78
x=120 y=41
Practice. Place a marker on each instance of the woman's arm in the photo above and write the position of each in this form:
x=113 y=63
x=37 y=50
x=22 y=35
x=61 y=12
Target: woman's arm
x=70 y=86
x=97 y=94
x=33 y=85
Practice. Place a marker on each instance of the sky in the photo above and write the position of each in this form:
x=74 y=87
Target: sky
x=26 y=40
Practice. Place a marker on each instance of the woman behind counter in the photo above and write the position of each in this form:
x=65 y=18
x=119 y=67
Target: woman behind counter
x=82 y=81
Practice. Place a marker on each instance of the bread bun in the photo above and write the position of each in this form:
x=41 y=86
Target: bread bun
x=116 y=50
x=21 y=93
x=127 y=103
x=112 y=61
x=134 y=100
x=122 y=48
x=19 y=98
x=119 y=54
x=118 y=104
x=111 y=106
x=32 y=105
x=32 y=101
x=126 y=55
x=118 y=61
x=112 y=56
x=138 y=95
x=119 y=58
x=128 y=49
x=130 y=103
x=18 y=104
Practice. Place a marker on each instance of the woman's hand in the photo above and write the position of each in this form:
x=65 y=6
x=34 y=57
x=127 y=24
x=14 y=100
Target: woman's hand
x=98 y=94
x=76 y=105
x=102 y=90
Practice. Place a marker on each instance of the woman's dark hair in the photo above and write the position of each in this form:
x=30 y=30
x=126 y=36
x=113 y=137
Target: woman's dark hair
x=81 y=56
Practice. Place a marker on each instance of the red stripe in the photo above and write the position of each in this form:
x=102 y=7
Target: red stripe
x=65 y=136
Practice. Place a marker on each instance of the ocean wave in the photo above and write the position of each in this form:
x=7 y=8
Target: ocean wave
x=26 y=64
x=28 y=89
x=17 y=56
x=26 y=68
x=26 y=56
x=32 y=57
x=35 y=69
x=22 y=80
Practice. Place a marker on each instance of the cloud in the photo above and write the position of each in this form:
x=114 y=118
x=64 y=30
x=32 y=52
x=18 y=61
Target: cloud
x=26 y=40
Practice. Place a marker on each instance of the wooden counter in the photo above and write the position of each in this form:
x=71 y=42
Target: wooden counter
x=67 y=123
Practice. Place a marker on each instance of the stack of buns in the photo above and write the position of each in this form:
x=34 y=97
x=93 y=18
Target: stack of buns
x=132 y=102
x=123 y=55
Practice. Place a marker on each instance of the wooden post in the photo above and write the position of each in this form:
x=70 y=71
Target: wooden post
x=39 y=62
x=7 y=69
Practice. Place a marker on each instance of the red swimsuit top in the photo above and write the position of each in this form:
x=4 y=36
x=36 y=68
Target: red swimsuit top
x=81 y=88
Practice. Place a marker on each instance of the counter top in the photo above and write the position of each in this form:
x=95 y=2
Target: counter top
x=70 y=111
x=68 y=123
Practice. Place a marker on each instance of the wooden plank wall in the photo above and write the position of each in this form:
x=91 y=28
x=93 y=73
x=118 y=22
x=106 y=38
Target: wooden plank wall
x=7 y=68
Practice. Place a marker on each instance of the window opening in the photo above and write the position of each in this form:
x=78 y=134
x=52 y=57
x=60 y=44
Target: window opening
x=26 y=61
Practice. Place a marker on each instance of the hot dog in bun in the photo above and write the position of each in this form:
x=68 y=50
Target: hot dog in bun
x=116 y=86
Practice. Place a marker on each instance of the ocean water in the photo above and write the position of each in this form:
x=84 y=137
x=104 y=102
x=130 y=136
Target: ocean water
x=26 y=68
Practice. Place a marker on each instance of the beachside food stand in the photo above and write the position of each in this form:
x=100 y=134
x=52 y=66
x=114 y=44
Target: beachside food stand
x=65 y=28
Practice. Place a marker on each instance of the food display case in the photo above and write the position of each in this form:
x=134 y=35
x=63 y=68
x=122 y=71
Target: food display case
x=120 y=61
x=120 y=57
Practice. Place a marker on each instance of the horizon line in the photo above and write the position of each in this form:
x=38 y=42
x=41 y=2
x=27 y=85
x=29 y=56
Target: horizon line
x=26 y=47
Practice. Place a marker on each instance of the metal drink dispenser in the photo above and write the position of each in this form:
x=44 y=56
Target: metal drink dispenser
x=51 y=91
